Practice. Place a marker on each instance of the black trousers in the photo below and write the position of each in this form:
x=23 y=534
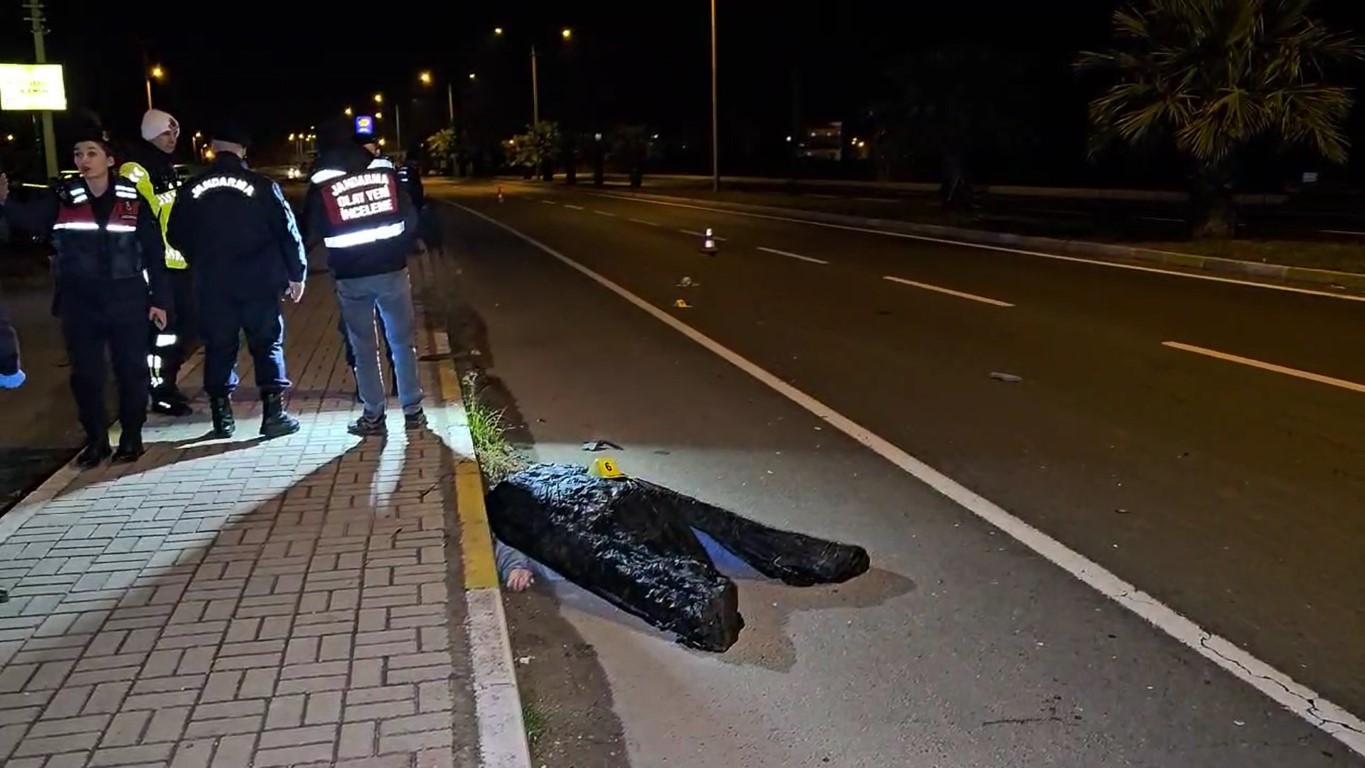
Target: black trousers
x=223 y=321
x=112 y=318
x=171 y=346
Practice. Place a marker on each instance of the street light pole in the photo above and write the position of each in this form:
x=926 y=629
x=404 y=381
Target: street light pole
x=535 y=91
x=715 y=109
x=450 y=101
x=35 y=9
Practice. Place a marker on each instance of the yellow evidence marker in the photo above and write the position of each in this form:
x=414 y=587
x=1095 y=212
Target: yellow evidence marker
x=607 y=469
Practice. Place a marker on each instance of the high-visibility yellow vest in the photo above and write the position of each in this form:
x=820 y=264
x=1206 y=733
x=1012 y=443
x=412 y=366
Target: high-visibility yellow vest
x=160 y=204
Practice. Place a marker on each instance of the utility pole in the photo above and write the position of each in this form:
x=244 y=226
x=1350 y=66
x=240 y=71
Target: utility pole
x=450 y=101
x=715 y=109
x=35 y=8
x=535 y=92
x=398 y=126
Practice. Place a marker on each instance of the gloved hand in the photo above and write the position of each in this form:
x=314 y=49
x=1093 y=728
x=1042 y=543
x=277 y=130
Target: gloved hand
x=12 y=380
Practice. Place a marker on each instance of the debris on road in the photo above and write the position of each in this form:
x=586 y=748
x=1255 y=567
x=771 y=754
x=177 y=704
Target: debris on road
x=682 y=304
x=1008 y=378
x=638 y=546
x=686 y=282
x=600 y=445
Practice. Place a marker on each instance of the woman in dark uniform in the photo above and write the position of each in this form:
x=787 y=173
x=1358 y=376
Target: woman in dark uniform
x=110 y=267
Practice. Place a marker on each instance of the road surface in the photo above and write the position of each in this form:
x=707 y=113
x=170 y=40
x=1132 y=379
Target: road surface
x=1338 y=220
x=1201 y=440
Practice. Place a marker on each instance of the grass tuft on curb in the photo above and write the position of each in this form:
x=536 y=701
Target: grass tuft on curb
x=534 y=721
x=497 y=457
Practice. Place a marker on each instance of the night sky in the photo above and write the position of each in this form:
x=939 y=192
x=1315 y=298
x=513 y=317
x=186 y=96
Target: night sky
x=279 y=68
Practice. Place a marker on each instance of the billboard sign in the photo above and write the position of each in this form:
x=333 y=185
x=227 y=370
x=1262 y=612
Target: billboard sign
x=364 y=125
x=32 y=87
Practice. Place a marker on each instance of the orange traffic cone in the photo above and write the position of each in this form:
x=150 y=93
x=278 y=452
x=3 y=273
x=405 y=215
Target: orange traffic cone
x=499 y=193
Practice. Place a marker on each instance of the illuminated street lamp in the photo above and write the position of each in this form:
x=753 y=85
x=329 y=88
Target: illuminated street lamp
x=154 y=73
x=349 y=111
x=379 y=98
x=566 y=33
x=426 y=79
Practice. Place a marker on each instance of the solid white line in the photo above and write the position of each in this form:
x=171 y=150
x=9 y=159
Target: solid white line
x=1302 y=701
x=1001 y=249
x=646 y=223
x=548 y=202
x=1306 y=375
x=604 y=213
x=791 y=255
x=701 y=234
x=574 y=207
x=1342 y=232
x=949 y=291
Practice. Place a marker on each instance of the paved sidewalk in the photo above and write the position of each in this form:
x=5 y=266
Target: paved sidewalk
x=241 y=602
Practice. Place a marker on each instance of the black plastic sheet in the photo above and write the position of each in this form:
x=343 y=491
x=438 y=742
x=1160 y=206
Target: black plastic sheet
x=631 y=543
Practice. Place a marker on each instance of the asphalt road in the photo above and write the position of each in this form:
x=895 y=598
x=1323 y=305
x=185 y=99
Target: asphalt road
x=1230 y=492
x=1336 y=220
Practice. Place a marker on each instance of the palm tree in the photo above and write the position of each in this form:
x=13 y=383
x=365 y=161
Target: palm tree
x=1212 y=76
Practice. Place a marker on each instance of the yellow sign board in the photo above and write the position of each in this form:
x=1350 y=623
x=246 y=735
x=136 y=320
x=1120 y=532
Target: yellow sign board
x=32 y=88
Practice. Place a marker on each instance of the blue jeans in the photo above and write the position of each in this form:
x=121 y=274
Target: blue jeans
x=391 y=294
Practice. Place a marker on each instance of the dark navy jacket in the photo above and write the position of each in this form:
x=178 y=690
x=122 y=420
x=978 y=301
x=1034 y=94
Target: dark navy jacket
x=237 y=231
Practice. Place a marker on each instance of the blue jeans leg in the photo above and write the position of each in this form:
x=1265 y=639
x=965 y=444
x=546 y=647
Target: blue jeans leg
x=357 y=298
x=399 y=323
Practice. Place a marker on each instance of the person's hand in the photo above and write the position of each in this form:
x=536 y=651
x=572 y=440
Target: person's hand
x=519 y=579
x=295 y=291
x=4 y=187
x=158 y=317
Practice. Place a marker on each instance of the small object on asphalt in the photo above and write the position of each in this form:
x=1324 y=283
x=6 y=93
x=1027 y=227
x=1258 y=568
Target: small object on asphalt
x=638 y=546
x=1008 y=378
x=500 y=198
x=600 y=445
x=686 y=282
x=682 y=304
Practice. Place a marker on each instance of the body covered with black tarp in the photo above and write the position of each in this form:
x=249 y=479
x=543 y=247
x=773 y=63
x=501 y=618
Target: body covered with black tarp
x=631 y=542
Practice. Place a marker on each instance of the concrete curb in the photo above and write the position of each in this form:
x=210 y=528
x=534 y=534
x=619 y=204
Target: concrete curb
x=497 y=697
x=1278 y=273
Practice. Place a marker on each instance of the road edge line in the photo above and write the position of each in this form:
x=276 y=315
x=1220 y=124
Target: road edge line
x=1085 y=252
x=1323 y=714
x=497 y=694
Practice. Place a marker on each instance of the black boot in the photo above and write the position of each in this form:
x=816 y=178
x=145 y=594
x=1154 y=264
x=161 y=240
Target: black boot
x=224 y=425
x=130 y=447
x=94 y=453
x=275 y=421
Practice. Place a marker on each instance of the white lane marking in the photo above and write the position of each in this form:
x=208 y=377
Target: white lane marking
x=549 y=202
x=791 y=255
x=701 y=234
x=1002 y=249
x=1331 y=718
x=949 y=291
x=1306 y=375
x=1348 y=232
x=604 y=213
x=642 y=221
x=574 y=207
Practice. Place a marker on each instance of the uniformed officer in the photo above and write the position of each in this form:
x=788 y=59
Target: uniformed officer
x=361 y=212
x=148 y=165
x=110 y=269
x=240 y=238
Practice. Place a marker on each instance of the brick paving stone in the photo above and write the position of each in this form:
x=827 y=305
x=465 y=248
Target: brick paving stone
x=238 y=603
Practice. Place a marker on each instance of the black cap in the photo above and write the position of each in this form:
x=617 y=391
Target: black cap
x=232 y=133
x=93 y=133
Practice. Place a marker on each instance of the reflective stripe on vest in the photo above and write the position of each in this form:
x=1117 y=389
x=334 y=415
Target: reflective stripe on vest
x=365 y=236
